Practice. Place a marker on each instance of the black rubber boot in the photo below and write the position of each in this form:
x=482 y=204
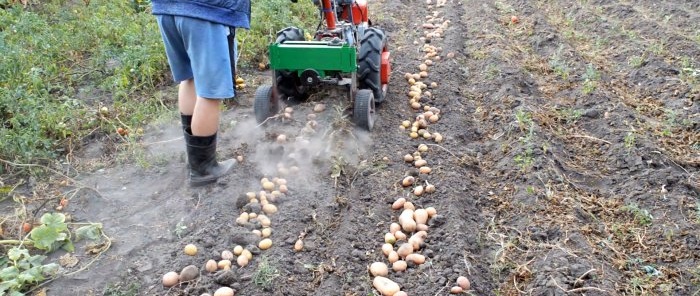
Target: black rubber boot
x=186 y=121
x=201 y=157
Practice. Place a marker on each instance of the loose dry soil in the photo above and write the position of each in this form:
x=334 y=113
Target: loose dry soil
x=570 y=166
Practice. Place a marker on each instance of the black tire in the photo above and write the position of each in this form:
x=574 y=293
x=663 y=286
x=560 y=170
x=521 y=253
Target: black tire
x=370 y=62
x=288 y=82
x=266 y=103
x=363 y=113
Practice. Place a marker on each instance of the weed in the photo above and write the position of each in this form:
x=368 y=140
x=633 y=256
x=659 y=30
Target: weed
x=658 y=48
x=524 y=119
x=630 y=141
x=559 y=65
x=180 y=228
x=590 y=79
x=636 y=61
x=492 y=71
x=117 y=290
x=570 y=115
x=641 y=216
x=525 y=159
x=265 y=274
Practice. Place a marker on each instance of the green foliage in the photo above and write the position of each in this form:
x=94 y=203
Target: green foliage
x=60 y=60
x=19 y=270
x=52 y=234
x=641 y=216
x=270 y=16
x=117 y=290
x=265 y=274
x=590 y=79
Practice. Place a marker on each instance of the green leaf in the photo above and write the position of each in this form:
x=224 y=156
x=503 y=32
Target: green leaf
x=69 y=247
x=32 y=275
x=44 y=237
x=15 y=293
x=36 y=260
x=9 y=285
x=16 y=253
x=8 y=273
x=91 y=232
x=54 y=220
x=50 y=269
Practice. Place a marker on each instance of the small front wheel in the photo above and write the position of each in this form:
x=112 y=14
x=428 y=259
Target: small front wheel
x=266 y=103
x=364 y=114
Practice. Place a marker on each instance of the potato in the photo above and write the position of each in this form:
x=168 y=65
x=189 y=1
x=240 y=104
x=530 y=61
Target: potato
x=420 y=216
x=423 y=148
x=420 y=163
x=190 y=272
x=211 y=266
x=394 y=227
x=378 y=269
x=385 y=286
x=423 y=74
x=408 y=181
x=423 y=67
x=224 y=291
x=299 y=245
x=401 y=293
x=463 y=282
x=191 y=250
x=250 y=195
x=247 y=254
x=242 y=260
x=409 y=206
x=418 y=190
x=283 y=189
x=269 y=186
x=266 y=232
x=237 y=250
x=427 y=135
x=430 y=188
x=269 y=209
x=398 y=204
x=431 y=210
x=319 y=107
x=393 y=256
x=408 y=76
x=264 y=220
x=224 y=264
x=387 y=248
x=404 y=250
x=265 y=244
x=417 y=259
x=253 y=215
x=399 y=265
x=170 y=279
x=433 y=84
x=450 y=55
x=389 y=238
x=425 y=170
x=456 y=290
x=257 y=232
x=399 y=235
x=437 y=137
x=415 y=105
x=434 y=118
x=416 y=76
x=421 y=227
x=413 y=135
x=408 y=158
x=227 y=255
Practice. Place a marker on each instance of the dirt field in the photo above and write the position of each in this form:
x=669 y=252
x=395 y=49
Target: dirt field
x=570 y=165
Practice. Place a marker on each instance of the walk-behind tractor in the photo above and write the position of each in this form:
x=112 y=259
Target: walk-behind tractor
x=345 y=51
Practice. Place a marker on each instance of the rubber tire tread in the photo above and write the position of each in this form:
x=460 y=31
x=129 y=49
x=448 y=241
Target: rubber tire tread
x=286 y=81
x=361 y=115
x=370 y=62
x=263 y=105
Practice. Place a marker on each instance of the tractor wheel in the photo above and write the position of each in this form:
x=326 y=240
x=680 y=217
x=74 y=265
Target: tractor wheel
x=266 y=103
x=363 y=113
x=288 y=83
x=372 y=45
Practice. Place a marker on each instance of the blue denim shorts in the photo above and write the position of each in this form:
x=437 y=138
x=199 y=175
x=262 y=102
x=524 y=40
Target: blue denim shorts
x=199 y=49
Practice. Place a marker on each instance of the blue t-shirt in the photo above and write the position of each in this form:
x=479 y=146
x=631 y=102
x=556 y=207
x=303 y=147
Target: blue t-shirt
x=233 y=13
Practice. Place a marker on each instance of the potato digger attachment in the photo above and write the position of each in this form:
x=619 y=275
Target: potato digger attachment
x=346 y=51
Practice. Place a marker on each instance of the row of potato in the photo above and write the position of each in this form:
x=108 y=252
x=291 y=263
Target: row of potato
x=405 y=239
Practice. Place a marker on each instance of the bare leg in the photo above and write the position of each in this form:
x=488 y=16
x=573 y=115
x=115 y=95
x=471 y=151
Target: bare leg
x=186 y=97
x=205 y=119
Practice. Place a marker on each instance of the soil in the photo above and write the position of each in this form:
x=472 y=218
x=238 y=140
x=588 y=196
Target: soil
x=570 y=166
